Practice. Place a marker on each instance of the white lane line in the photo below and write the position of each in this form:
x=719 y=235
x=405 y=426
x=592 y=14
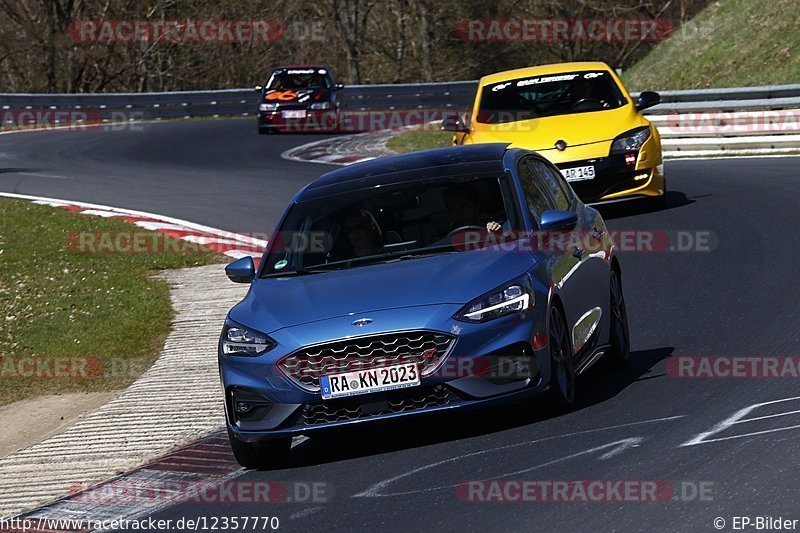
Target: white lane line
x=41 y=175
x=375 y=491
x=142 y=214
x=304 y=513
x=738 y=418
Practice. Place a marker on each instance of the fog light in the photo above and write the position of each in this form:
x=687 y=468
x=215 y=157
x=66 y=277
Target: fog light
x=642 y=176
x=242 y=407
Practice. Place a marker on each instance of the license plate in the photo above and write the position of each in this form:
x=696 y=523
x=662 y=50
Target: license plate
x=370 y=380
x=578 y=173
x=294 y=114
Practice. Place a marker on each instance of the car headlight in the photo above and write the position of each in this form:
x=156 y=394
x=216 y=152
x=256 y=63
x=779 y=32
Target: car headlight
x=267 y=107
x=630 y=141
x=239 y=340
x=320 y=105
x=512 y=298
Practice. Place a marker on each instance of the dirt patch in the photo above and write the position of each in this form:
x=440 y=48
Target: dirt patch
x=36 y=419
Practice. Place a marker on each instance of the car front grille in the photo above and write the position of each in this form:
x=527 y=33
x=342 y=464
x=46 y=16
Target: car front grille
x=393 y=402
x=426 y=348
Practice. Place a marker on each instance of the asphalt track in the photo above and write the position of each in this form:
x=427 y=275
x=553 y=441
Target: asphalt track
x=739 y=298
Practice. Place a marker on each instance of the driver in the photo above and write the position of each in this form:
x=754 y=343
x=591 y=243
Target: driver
x=362 y=232
x=463 y=207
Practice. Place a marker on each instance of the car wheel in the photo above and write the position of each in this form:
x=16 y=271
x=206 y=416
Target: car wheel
x=264 y=131
x=262 y=456
x=562 y=372
x=620 y=345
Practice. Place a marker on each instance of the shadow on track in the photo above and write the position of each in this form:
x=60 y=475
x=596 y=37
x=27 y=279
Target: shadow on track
x=673 y=200
x=598 y=385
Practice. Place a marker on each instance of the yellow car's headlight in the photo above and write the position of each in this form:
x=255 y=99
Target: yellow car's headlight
x=630 y=141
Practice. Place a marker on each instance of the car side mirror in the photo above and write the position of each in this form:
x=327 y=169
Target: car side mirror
x=242 y=270
x=454 y=124
x=558 y=220
x=258 y=88
x=647 y=99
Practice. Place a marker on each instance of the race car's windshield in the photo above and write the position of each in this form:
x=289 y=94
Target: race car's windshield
x=547 y=96
x=395 y=222
x=299 y=79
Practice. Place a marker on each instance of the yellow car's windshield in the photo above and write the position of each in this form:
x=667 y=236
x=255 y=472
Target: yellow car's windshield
x=548 y=95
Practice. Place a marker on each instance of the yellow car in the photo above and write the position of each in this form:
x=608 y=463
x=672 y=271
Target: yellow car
x=580 y=117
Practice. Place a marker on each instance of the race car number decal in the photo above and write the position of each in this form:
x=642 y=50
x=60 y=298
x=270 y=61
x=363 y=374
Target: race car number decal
x=283 y=96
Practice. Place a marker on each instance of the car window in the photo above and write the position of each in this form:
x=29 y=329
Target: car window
x=553 y=182
x=536 y=198
x=406 y=218
x=548 y=96
x=298 y=79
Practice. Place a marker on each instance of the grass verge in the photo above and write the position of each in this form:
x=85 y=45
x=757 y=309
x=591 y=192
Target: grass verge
x=416 y=140
x=731 y=43
x=78 y=320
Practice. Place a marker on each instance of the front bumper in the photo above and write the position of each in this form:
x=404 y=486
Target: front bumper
x=616 y=179
x=314 y=121
x=488 y=363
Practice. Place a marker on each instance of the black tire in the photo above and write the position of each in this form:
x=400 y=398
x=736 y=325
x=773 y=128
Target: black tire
x=562 y=363
x=263 y=456
x=619 y=339
x=265 y=131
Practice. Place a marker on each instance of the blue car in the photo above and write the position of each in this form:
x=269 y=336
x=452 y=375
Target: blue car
x=441 y=280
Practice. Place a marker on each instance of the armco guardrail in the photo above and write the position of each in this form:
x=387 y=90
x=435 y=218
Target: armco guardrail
x=692 y=122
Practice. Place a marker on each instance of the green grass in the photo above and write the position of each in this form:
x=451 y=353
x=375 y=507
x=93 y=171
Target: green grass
x=731 y=43
x=422 y=139
x=59 y=301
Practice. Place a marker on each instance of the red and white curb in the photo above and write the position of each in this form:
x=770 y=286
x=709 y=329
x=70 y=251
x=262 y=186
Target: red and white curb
x=231 y=244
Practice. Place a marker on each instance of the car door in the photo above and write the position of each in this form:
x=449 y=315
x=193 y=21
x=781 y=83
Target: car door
x=559 y=261
x=584 y=287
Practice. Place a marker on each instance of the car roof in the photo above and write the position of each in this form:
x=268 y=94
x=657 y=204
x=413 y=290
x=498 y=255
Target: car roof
x=287 y=67
x=555 y=68
x=415 y=166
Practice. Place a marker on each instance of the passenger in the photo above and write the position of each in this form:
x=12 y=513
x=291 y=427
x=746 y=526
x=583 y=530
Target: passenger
x=363 y=232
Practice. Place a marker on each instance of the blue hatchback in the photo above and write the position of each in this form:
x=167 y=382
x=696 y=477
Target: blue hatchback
x=439 y=280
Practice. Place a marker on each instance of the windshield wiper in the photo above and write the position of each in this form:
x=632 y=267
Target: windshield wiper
x=425 y=252
x=400 y=255
x=295 y=272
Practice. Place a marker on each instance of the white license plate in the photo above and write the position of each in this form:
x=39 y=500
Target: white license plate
x=370 y=380
x=294 y=114
x=578 y=173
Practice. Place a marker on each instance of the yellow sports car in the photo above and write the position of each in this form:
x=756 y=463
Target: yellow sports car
x=580 y=117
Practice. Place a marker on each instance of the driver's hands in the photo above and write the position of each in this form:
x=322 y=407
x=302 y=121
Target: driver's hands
x=493 y=227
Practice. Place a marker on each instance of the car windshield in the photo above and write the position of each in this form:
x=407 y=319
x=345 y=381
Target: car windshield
x=395 y=222
x=547 y=96
x=298 y=79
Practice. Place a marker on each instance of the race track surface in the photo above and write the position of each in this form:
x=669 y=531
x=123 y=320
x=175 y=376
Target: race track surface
x=738 y=298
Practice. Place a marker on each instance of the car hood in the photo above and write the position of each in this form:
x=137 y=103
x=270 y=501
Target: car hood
x=455 y=278
x=541 y=134
x=295 y=96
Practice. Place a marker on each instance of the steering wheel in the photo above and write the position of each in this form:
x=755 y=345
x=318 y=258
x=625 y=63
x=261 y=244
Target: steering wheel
x=594 y=101
x=465 y=228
